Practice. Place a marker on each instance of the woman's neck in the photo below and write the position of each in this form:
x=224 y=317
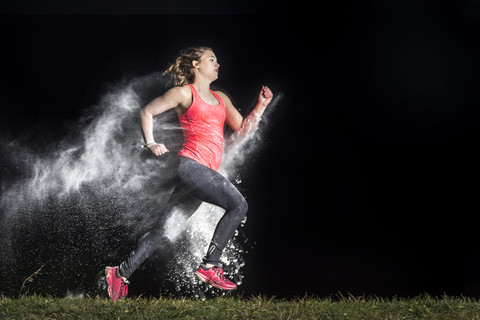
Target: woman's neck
x=202 y=86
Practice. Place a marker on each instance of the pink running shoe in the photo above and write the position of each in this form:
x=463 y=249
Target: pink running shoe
x=215 y=277
x=117 y=286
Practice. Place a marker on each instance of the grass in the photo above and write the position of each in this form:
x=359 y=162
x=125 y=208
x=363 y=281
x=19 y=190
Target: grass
x=425 y=307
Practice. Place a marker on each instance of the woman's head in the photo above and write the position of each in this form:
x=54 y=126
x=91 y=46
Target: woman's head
x=191 y=62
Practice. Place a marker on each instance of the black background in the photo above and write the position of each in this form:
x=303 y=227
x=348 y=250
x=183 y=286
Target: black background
x=367 y=180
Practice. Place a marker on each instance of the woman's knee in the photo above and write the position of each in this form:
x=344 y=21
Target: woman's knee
x=242 y=208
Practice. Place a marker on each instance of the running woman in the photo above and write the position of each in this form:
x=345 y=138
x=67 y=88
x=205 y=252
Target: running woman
x=202 y=114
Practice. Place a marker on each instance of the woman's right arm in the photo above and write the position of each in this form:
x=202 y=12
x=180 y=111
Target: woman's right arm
x=173 y=98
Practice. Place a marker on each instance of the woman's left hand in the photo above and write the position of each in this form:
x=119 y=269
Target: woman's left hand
x=265 y=96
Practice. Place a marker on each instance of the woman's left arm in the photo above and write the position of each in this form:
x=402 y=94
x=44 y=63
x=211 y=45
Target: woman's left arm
x=244 y=125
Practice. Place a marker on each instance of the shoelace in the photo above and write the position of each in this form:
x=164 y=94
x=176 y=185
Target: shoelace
x=219 y=273
x=123 y=286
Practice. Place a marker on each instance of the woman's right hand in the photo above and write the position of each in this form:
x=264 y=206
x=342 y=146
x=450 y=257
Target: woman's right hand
x=158 y=149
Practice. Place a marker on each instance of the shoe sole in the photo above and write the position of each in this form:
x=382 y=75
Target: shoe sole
x=205 y=280
x=201 y=277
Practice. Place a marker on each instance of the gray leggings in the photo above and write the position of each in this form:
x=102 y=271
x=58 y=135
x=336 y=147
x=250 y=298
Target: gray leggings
x=197 y=184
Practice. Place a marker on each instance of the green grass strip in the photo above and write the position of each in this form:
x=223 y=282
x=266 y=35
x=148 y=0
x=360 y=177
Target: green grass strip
x=425 y=307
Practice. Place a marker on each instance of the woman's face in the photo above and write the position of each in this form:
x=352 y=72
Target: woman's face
x=208 y=66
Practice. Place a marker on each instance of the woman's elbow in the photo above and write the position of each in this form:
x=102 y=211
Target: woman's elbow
x=144 y=112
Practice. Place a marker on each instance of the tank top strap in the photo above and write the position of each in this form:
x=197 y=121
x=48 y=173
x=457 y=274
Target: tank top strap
x=194 y=92
x=197 y=97
x=220 y=100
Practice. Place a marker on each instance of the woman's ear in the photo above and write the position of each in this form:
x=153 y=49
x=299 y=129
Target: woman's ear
x=195 y=64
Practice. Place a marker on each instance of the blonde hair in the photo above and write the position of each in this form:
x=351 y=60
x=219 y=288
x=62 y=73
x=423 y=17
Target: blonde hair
x=181 y=70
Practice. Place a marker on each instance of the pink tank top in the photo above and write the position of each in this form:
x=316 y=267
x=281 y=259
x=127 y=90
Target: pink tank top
x=202 y=125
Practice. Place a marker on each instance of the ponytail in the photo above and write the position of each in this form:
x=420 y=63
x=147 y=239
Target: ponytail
x=182 y=69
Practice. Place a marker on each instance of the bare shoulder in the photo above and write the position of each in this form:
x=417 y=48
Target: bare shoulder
x=181 y=94
x=224 y=97
x=179 y=91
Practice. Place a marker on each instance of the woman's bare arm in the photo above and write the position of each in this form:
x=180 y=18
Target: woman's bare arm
x=177 y=97
x=245 y=125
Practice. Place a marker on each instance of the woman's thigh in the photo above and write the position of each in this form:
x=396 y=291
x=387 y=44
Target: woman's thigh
x=208 y=185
